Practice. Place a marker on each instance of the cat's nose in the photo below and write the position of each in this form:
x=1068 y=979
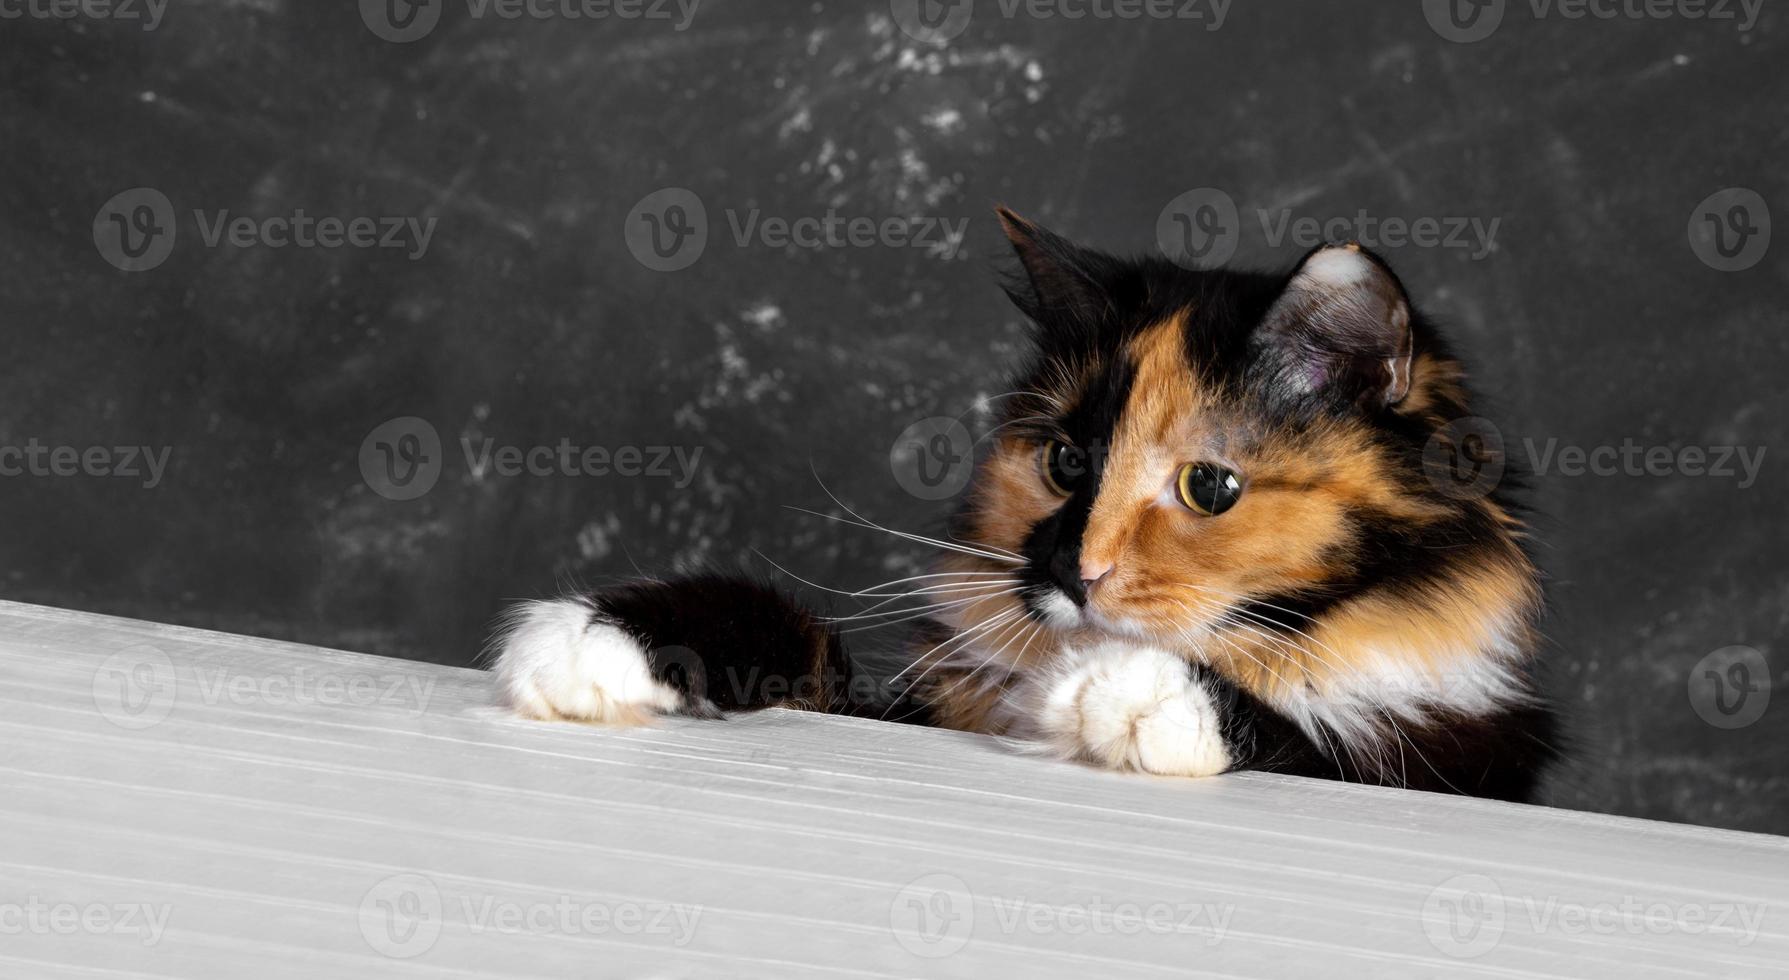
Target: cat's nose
x=1093 y=572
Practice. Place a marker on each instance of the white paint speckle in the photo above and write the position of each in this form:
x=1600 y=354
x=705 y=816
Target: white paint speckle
x=946 y=121
x=596 y=539
x=766 y=316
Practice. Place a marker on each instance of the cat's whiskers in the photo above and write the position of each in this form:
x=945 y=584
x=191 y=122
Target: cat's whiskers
x=859 y=593
x=943 y=603
x=1018 y=421
x=963 y=635
x=1052 y=399
x=872 y=590
x=1005 y=579
x=1321 y=731
x=1386 y=712
x=1037 y=630
x=1222 y=636
x=940 y=590
x=992 y=590
x=941 y=658
x=976 y=551
x=880 y=606
x=1265 y=628
x=981 y=550
x=1022 y=623
x=1236 y=607
x=1218 y=633
x=907 y=615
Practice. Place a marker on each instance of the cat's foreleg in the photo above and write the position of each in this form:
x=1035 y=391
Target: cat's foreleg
x=1128 y=706
x=700 y=646
x=1123 y=705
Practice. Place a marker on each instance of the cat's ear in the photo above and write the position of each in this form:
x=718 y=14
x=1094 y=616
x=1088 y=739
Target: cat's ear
x=1060 y=279
x=1342 y=324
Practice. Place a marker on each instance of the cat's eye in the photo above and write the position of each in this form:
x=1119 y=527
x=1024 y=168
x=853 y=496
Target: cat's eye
x=1208 y=488
x=1062 y=466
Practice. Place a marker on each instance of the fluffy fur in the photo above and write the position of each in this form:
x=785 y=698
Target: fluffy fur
x=563 y=660
x=1350 y=614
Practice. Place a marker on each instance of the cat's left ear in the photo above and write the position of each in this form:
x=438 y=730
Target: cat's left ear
x=1061 y=280
x=1343 y=325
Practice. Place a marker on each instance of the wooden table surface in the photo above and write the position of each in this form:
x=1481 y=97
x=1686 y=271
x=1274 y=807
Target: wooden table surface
x=179 y=803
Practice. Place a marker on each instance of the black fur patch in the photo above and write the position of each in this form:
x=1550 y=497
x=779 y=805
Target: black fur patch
x=730 y=643
x=1499 y=756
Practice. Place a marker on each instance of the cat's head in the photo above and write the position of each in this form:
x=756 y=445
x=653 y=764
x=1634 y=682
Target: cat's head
x=1224 y=462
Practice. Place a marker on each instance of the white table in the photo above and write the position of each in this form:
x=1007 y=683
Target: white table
x=178 y=803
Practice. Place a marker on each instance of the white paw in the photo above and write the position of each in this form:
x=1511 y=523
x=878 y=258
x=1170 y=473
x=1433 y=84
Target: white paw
x=558 y=659
x=1132 y=707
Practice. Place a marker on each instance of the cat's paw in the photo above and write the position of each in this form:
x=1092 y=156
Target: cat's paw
x=1124 y=706
x=560 y=659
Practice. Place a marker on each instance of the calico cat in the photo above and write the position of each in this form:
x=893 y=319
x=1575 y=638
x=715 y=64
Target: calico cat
x=1207 y=537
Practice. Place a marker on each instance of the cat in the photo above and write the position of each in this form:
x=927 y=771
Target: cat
x=1207 y=537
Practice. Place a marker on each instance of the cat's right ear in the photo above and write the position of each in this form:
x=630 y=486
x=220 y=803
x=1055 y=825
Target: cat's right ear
x=1343 y=325
x=1060 y=280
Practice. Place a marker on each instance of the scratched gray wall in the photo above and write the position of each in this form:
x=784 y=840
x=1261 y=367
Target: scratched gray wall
x=1615 y=300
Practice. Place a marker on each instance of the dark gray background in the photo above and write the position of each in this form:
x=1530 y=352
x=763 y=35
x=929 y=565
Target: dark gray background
x=528 y=320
